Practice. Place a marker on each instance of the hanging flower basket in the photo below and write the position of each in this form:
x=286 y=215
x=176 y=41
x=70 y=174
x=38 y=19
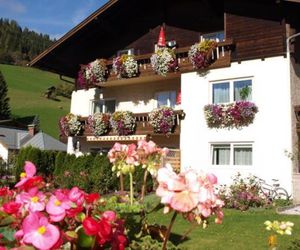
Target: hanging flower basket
x=164 y=61
x=123 y=122
x=234 y=115
x=99 y=123
x=70 y=125
x=200 y=54
x=162 y=120
x=93 y=73
x=125 y=66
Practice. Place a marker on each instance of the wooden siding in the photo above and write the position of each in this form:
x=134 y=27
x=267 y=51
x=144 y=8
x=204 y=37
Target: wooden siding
x=255 y=36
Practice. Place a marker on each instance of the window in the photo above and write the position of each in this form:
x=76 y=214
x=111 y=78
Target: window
x=125 y=52
x=242 y=90
x=221 y=154
x=221 y=92
x=166 y=98
x=232 y=154
x=217 y=36
x=103 y=106
x=230 y=91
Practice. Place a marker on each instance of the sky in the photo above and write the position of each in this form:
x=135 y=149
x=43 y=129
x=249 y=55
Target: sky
x=52 y=17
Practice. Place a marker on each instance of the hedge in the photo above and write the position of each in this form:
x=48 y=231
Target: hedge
x=92 y=173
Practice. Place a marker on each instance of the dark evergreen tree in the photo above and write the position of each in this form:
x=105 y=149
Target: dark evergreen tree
x=4 y=105
x=19 y=46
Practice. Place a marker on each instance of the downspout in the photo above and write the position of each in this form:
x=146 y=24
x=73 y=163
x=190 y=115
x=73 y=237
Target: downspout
x=288 y=56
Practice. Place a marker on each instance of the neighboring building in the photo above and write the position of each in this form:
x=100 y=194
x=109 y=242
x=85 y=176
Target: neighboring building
x=13 y=139
x=257 y=52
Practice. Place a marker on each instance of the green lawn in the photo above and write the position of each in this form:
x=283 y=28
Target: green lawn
x=25 y=88
x=239 y=231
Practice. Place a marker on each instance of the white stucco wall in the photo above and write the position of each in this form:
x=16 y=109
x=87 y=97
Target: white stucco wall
x=270 y=133
x=3 y=152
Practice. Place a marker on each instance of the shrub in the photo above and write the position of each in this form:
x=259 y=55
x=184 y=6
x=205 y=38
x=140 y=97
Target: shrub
x=101 y=177
x=64 y=89
x=243 y=193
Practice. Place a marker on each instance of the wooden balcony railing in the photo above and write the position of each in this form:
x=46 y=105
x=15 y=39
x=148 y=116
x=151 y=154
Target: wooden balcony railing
x=142 y=127
x=222 y=55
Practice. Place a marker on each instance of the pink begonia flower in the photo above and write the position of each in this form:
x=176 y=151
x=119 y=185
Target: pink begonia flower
x=76 y=195
x=38 y=232
x=131 y=154
x=57 y=206
x=109 y=215
x=30 y=171
x=33 y=200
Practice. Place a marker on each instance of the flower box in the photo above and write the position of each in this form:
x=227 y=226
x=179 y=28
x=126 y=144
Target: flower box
x=232 y=115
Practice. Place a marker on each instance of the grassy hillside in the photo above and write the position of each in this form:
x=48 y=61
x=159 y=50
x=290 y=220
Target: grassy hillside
x=25 y=90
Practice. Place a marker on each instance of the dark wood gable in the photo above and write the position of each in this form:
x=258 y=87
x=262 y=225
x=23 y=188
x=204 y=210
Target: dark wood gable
x=256 y=27
x=133 y=24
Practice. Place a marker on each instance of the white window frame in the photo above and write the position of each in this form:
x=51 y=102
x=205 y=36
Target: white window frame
x=126 y=52
x=232 y=146
x=92 y=104
x=168 y=101
x=231 y=88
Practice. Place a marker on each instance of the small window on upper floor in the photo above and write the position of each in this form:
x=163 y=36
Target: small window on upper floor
x=125 y=52
x=166 y=98
x=217 y=36
x=233 y=90
x=103 y=106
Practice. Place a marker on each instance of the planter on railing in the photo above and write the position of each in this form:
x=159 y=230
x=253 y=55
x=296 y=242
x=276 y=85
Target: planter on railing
x=234 y=115
x=163 y=63
x=99 y=123
x=162 y=120
x=123 y=122
x=70 y=125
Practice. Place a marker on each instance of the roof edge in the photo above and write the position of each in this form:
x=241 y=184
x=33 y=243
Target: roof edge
x=73 y=31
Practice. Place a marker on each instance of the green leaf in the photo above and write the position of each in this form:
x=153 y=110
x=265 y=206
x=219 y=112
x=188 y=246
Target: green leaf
x=85 y=240
x=7 y=221
x=72 y=234
x=8 y=233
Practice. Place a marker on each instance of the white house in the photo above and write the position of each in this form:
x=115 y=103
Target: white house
x=257 y=48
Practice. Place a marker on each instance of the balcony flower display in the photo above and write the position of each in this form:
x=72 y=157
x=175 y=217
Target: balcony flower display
x=70 y=125
x=99 y=123
x=233 y=115
x=162 y=120
x=125 y=66
x=164 y=61
x=200 y=54
x=123 y=122
x=94 y=72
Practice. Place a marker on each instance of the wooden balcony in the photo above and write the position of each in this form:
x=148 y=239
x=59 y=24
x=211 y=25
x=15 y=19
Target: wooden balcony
x=143 y=129
x=222 y=55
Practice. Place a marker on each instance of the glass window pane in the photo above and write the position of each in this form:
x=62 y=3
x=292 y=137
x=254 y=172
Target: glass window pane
x=110 y=106
x=221 y=92
x=166 y=98
x=172 y=99
x=98 y=106
x=221 y=154
x=242 y=155
x=243 y=90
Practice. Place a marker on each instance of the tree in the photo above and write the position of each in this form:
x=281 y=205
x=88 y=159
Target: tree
x=4 y=100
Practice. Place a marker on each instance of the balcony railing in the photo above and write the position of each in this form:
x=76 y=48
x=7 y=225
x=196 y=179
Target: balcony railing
x=143 y=128
x=222 y=55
